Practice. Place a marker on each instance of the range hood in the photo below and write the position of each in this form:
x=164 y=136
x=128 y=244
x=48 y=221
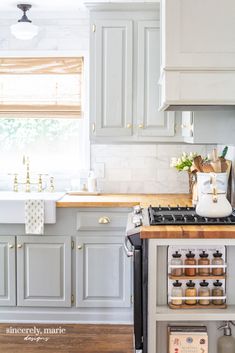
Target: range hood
x=197 y=55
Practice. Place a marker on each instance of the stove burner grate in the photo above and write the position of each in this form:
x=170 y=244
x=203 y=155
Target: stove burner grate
x=183 y=215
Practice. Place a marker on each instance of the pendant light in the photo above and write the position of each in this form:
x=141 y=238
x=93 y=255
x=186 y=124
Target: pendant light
x=24 y=29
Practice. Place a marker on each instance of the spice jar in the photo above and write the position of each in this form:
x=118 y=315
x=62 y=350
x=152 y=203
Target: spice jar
x=190 y=291
x=204 y=291
x=177 y=291
x=203 y=271
x=176 y=260
x=217 y=291
x=217 y=260
x=190 y=271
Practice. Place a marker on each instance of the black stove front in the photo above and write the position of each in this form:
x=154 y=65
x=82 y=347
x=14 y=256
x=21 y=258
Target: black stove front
x=182 y=216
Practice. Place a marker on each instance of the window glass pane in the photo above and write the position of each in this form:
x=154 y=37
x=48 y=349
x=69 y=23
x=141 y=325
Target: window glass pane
x=55 y=146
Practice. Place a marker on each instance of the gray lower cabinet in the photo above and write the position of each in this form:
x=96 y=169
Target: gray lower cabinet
x=103 y=272
x=44 y=271
x=7 y=271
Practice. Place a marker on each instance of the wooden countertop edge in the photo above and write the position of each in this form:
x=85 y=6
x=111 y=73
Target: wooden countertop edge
x=188 y=232
x=88 y=204
x=122 y=200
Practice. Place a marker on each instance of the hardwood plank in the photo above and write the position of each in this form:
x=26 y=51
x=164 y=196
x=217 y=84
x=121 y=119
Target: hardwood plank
x=77 y=338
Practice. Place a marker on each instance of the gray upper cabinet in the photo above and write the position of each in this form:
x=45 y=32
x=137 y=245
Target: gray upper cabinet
x=124 y=76
x=102 y=273
x=150 y=122
x=111 y=87
x=7 y=271
x=44 y=271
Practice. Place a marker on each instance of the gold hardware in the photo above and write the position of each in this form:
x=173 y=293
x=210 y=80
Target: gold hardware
x=39 y=182
x=93 y=127
x=104 y=220
x=72 y=244
x=187 y=126
x=129 y=126
x=79 y=247
x=19 y=246
x=72 y=298
x=27 y=182
x=93 y=28
x=52 y=186
x=140 y=126
x=11 y=246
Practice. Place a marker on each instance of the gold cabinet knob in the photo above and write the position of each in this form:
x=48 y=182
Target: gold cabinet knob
x=79 y=247
x=11 y=246
x=104 y=220
x=19 y=246
x=140 y=126
x=129 y=126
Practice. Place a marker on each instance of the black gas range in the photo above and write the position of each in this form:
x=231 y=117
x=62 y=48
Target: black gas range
x=138 y=249
x=183 y=216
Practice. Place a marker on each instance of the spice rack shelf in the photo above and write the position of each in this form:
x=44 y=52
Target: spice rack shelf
x=197 y=306
x=183 y=277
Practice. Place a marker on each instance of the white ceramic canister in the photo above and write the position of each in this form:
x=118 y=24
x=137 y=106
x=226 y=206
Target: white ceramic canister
x=203 y=183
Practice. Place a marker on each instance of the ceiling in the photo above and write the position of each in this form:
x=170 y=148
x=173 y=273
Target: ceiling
x=42 y=5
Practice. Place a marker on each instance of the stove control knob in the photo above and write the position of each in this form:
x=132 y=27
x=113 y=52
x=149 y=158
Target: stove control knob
x=137 y=209
x=137 y=221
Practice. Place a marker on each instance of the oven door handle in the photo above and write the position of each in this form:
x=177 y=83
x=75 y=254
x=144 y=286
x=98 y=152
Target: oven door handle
x=128 y=251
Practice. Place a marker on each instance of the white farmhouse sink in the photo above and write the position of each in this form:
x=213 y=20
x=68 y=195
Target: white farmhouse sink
x=12 y=205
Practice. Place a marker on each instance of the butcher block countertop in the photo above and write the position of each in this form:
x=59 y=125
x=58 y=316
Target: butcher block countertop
x=123 y=200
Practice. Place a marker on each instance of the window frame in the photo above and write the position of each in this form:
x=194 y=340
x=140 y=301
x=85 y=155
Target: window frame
x=84 y=135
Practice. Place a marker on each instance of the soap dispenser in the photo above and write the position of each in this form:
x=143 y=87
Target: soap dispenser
x=226 y=343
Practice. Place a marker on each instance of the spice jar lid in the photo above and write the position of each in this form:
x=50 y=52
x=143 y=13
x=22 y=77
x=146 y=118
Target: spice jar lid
x=204 y=283
x=176 y=255
x=217 y=283
x=190 y=284
x=177 y=283
x=190 y=254
x=217 y=254
x=203 y=254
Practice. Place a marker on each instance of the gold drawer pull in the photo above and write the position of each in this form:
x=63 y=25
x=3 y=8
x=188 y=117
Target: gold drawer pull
x=104 y=220
x=79 y=247
x=129 y=126
x=19 y=246
x=140 y=126
x=11 y=246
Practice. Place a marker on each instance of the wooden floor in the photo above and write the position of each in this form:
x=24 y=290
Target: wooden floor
x=77 y=338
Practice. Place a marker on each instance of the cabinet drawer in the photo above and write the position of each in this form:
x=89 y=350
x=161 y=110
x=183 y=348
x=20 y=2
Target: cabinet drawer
x=101 y=220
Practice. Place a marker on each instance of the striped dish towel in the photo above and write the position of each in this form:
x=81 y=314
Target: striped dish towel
x=34 y=216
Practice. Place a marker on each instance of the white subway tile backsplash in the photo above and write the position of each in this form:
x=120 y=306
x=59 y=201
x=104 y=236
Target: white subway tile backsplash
x=142 y=168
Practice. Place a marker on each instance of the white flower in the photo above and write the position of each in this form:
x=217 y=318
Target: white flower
x=173 y=162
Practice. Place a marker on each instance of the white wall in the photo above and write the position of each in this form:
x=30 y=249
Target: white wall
x=128 y=168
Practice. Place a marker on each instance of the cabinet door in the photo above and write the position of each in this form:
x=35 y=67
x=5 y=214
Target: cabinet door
x=44 y=271
x=7 y=271
x=111 y=78
x=102 y=273
x=150 y=122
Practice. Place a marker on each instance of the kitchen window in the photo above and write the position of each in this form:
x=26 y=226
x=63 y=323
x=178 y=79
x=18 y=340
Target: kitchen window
x=41 y=115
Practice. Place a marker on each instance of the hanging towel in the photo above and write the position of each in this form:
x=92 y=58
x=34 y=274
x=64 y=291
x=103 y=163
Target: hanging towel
x=34 y=216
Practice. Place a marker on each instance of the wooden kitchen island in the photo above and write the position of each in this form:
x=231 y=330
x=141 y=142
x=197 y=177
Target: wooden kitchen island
x=160 y=315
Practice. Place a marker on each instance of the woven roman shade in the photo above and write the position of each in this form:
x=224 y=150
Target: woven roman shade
x=41 y=87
